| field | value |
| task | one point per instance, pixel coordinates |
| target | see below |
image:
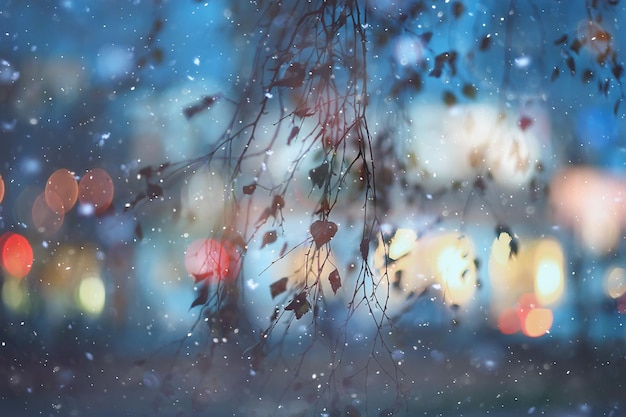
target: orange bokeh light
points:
(207, 259)
(63, 185)
(527, 316)
(537, 322)
(96, 189)
(16, 254)
(46, 219)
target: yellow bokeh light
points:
(403, 242)
(457, 271)
(549, 272)
(91, 295)
(500, 250)
(615, 282)
(14, 295)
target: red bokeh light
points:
(207, 259)
(96, 189)
(16, 254)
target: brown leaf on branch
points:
(335, 281)
(323, 231)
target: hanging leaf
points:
(485, 42)
(555, 74)
(319, 174)
(269, 238)
(204, 103)
(154, 191)
(202, 298)
(335, 281)
(249, 189)
(449, 98)
(294, 76)
(469, 91)
(278, 202)
(561, 40)
(278, 287)
(364, 247)
(571, 65)
(292, 135)
(426, 37)
(299, 305)
(322, 232)
(138, 231)
(457, 9)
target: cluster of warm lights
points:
(527, 316)
(530, 280)
(94, 192)
(413, 264)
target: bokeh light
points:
(537, 322)
(615, 282)
(91, 295)
(207, 259)
(14, 294)
(16, 254)
(96, 189)
(61, 187)
(591, 203)
(549, 271)
(47, 220)
(509, 322)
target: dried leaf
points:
(202, 298)
(561, 40)
(269, 238)
(319, 175)
(204, 103)
(292, 135)
(154, 191)
(457, 9)
(449, 98)
(278, 287)
(485, 42)
(299, 305)
(575, 45)
(138, 231)
(278, 203)
(469, 91)
(425, 38)
(555, 74)
(617, 71)
(249, 189)
(364, 247)
(571, 65)
(322, 231)
(335, 281)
